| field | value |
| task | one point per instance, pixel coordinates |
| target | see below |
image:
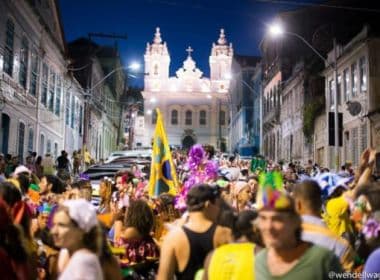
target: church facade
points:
(195, 109)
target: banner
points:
(163, 177)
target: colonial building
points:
(358, 85)
(32, 78)
(194, 108)
(98, 70)
(291, 117)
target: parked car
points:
(130, 153)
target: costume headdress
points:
(271, 194)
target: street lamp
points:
(276, 30)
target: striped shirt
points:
(314, 230)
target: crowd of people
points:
(231, 219)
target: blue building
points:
(242, 108)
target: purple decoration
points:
(371, 229)
(83, 176)
(201, 170)
(196, 156)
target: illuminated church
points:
(194, 108)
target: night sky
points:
(183, 23)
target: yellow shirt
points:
(336, 216)
(235, 261)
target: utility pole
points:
(336, 120)
(88, 94)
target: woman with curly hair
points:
(136, 233)
(105, 194)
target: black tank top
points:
(201, 243)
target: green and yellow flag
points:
(163, 177)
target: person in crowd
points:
(110, 266)
(20, 215)
(30, 164)
(84, 187)
(124, 188)
(165, 215)
(47, 252)
(135, 234)
(242, 196)
(218, 264)
(75, 228)
(308, 202)
(13, 254)
(185, 248)
(11, 164)
(87, 158)
(38, 167)
(76, 162)
(366, 213)
(286, 255)
(63, 165)
(105, 194)
(48, 166)
(49, 186)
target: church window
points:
(154, 117)
(188, 117)
(174, 117)
(155, 71)
(202, 117)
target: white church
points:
(195, 109)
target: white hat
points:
(21, 169)
(82, 212)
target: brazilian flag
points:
(163, 177)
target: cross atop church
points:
(189, 50)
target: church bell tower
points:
(157, 61)
(220, 63)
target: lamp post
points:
(276, 30)
(134, 66)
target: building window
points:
(80, 120)
(55, 150)
(51, 91)
(331, 93)
(354, 79)
(48, 146)
(23, 62)
(34, 74)
(363, 132)
(44, 90)
(58, 93)
(30, 139)
(174, 117)
(346, 85)
(355, 146)
(72, 117)
(154, 117)
(222, 117)
(42, 144)
(202, 117)
(8, 50)
(363, 74)
(188, 117)
(67, 109)
(339, 89)
(21, 137)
